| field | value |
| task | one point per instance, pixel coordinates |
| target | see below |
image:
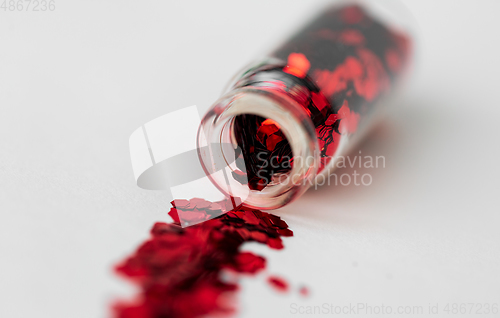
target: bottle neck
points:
(259, 143)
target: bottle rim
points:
(216, 132)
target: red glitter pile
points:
(180, 271)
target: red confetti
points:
(352, 14)
(352, 37)
(180, 270)
(278, 283)
(304, 291)
(350, 119)
(297, 65)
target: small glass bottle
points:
(289, 115)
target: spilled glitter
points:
(186, 272)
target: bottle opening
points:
(265, 152)
(258, 146)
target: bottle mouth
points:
(224, 157)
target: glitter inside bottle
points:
(290, 114)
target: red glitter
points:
(297, 65)
(262, 142)
(393, 60)
(180, 270)
(350, 119)
(375, 79)
(304, 291)
(366, 73)
(336, 68)
(352, 37)
(335, 81)
(352, 14)
(347, 37)
(278, 283)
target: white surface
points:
(173, 133)
(76, 82)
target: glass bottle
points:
(284, 119)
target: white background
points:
(74, 83)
